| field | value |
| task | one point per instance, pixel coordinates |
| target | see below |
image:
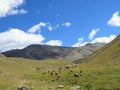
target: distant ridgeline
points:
(40, 52)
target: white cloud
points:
(96, 40)
(22, 11)
(80, 42)
(104, 39)
(54, 43)
(115, 20)
(93, 33)
(50, 28)
(16, 39)
(66, 24)
(11, 7)
(37, 27)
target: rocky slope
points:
(40, 52)
(1, 55)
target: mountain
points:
(108, 55)
(40, 52)
(1, 55)
(100, 71)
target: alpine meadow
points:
(59, 44)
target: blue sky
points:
(70, 23)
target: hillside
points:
(40, 52)
(108, 55)
(1, 55)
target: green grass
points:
(35, 74)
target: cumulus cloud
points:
(104, 39)
(93, 33)
(115, 20)
(17, 39)
(54, 43)
(37, 27)
(67, 24)
(80, 42)
(96, 40)
(11, 7)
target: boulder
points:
(59, 86)
(23, 88)
(75, 88)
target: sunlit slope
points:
(108, 55)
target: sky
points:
(71, 23)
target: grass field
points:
(48, 74)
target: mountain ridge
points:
(40, 52)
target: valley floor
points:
(56, 74)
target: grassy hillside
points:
(108, 55)
(49, 74)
